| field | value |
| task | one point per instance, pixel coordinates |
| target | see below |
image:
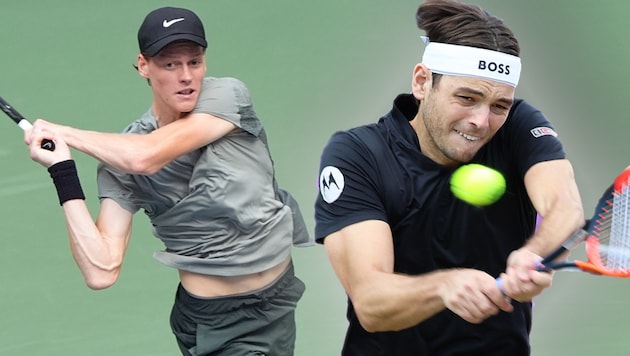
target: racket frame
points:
(23, 123)
(590, 235)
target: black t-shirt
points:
(377, 172)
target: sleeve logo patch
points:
(331, 183)
(543, 131)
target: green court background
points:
(312, 68)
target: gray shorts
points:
(257, 323)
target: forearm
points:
(554, 193)
(559, 222)
(144, 153)
(362, 257)
(98, 257)
(98, 247)
(127, 153)
(555, 196)
(391, 302)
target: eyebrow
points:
(506, 101)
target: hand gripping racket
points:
(22, 122)
(606, 236)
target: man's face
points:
(459, 115)
(176, 74)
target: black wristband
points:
(64, 175)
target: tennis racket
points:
(22, 122)
(606, 236)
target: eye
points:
(197, 62)
(500, 109)
(466, 100)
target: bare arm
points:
(97, 247)
(363, 258)
(143, 154)
(552, 188)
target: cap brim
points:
(155, 48)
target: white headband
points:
(475, 62)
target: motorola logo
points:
(331, 183)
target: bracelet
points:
(66, 179)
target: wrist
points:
(531, 247)
(66, 179)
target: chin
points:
(187, 106)
(464, 157)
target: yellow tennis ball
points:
(477, 184)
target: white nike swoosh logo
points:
(169, 23)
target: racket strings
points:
(612, 231)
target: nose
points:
(186, 74)
(480, 116)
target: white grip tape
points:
(25, 125)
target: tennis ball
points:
(477, 184)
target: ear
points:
(421, 81)
(143, 66)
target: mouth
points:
(468, 137)
(186, 92)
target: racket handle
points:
(48, 145)
(500, 285)
(542, 268)
(26, 125)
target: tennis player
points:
(418, 265)
(198, 164)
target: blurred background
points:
(312, 68)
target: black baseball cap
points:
(168, 24)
